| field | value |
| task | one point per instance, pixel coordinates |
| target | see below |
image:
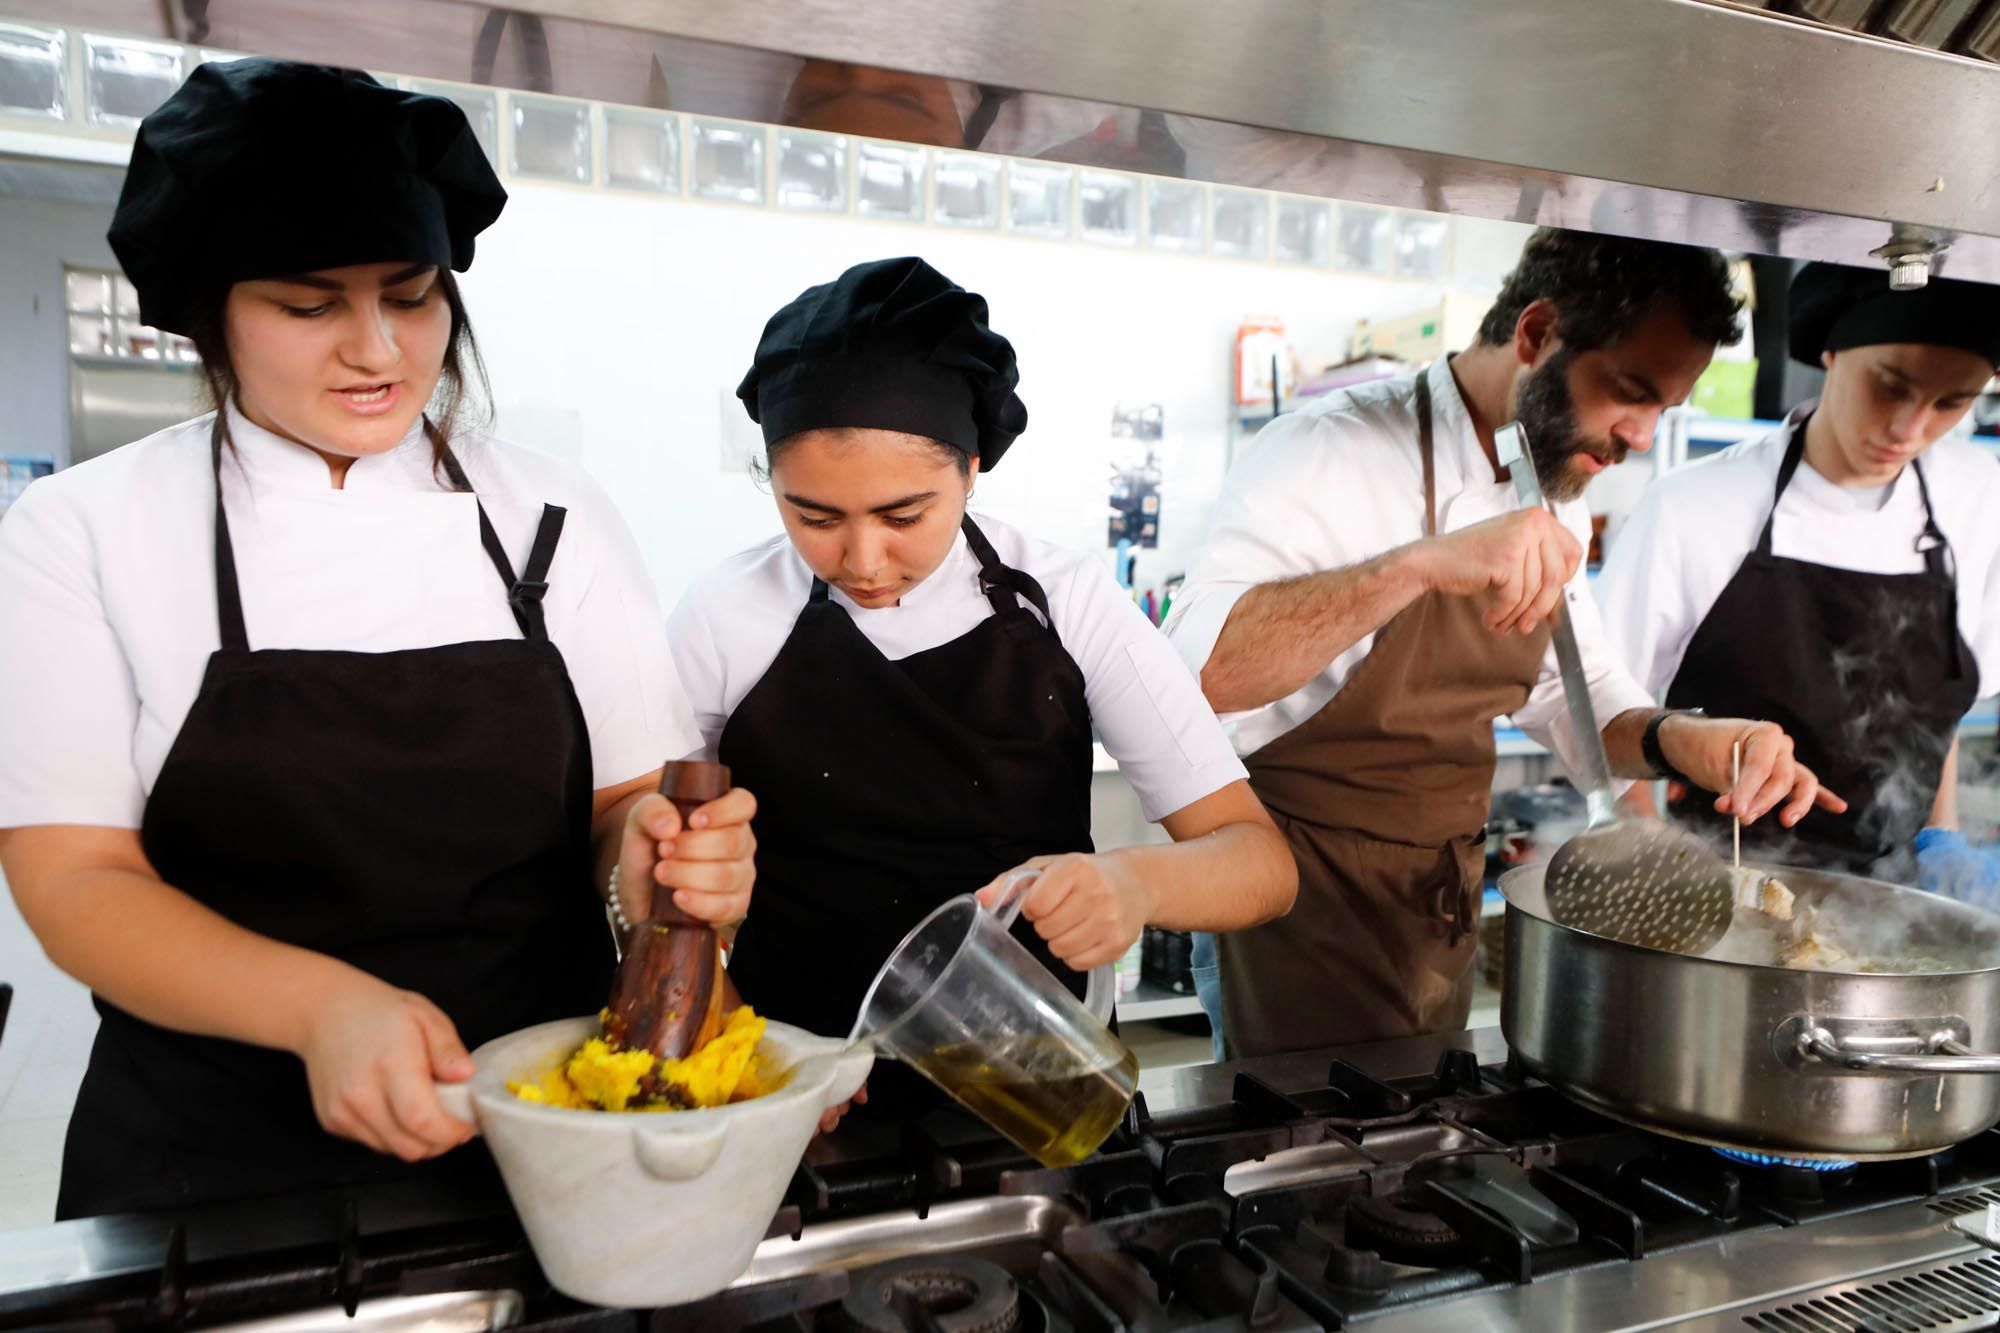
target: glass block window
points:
(104, 320)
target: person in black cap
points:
(309, 788)
(911, 692)
(1841, 574)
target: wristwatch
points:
(1649, 743)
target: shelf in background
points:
(1710, 433)
(1150, 1001)
(1706, 435)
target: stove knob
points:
(1458, 1070)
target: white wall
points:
(616, 327)
(37, 238)
(619, 326)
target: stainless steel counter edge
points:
(1707, 1287)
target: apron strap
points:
(1942, 566)
(1424, 446)
(1931, 542)
(228, 594)
(1002, 582)
(524, 594)
(999, 581)
(1794, 451)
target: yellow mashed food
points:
(601, 1077)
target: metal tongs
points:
(1635, 880)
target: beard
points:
(1547, 414)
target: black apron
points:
(1867, 673)
(423, 815)
(884, 788)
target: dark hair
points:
(1603, 287)
(451, 402)
(945, 453)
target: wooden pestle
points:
(667, 995)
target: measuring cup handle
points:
(1100, 994)
(1013, 892)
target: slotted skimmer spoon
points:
(1638, 881)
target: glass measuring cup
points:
(965, 1005)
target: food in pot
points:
(1759, 892)
(1813, 950)
(1773, 929)
(603, 1076)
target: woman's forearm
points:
(147, 947)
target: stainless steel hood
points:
(1725, 125)
(1690, 120)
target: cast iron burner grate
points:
(1749, 1158)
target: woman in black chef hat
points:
(1840, 575)
(912, 692)
(323, 721)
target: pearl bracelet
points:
(614, 909)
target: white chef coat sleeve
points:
(1272, 523)
(623, 672)
(1645, 595)
(1148, 710)
(699, 661)
(1545, 717)
(68, 702)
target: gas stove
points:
(1414, 1185)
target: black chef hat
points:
(1834, 308)
(262, 168)
(893, 345)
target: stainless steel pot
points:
(1769, 1059)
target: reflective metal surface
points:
(865, 1240)
(1717, 123)
(1981, 34)
(445, 1312)
(1668, 118)
(1711, 1050)
(1942, 25)
(114, 402)
(1710, 1288)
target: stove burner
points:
(960, 1294)
(1403, 1230)
(1749, 1158)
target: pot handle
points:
(1943, 1055)
(854, 1064)
(456, 1098)
(677, 1155)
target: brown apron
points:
(1383, 795)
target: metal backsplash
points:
(1724, 124)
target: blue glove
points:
(1949, 865)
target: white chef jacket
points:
(1341, 481)
(1672, 559)
(108, 615)
(1148, 711)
